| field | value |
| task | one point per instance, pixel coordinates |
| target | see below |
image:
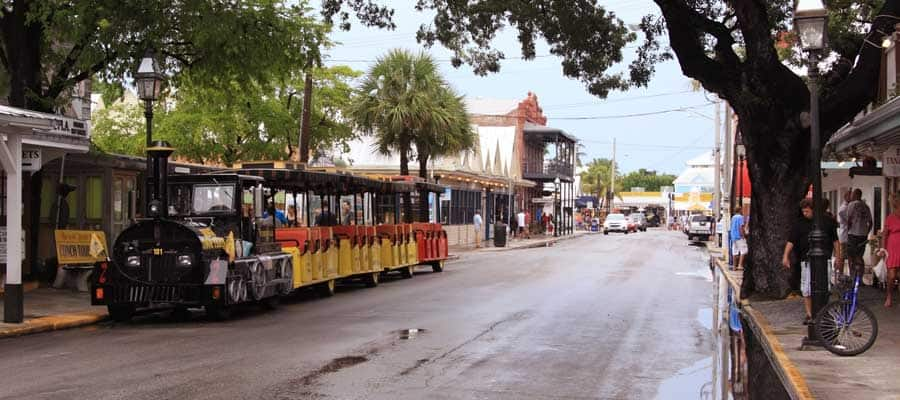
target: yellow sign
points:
(80, 247)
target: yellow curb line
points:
(54, 323)
(785, 368)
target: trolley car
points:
(217, 240)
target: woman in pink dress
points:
(892, 244)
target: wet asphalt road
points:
(598, 317)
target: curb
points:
(545, 243)
(787, 372)
(790, 376)
(55, 323)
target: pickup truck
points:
(699, 228)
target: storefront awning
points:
(869, 135)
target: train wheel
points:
(258, 281)
(407, 272)
(218, 312)
(327, 289)
(437, 266)
(120, 312)
(372, 279)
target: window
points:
(213, 198)
(48, 197)
(93, 197)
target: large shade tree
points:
(738, 49)
(48, 46)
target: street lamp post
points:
(810, 21)
(742, 152)
(148, 80)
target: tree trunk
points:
(22, 52)
(404, 170)
(777, 164)
(423, 195)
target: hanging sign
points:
(891, 161)
(31, 160)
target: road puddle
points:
(693, 382)
(705, 317)
(407, 334)
(700, 274)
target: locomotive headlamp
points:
(155, 208)
(185, 261)
(133, 261)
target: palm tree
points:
(403, 101)
(448, 133)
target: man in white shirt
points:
(479, 224)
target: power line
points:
(619, 100)
(620, 116)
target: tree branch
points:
(57, 87)
(686, 27)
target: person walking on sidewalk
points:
(520, 222)
(859, 224)
(738, 241)
(842, 223)
(798, 242)
(892, 245)
(479, 223)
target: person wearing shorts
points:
(798, 243)
(859, 224)
(738, 241)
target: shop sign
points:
(31, 160)
(891, 161)
(80, 247)
(3, 241)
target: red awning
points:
(742, 180)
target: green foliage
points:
(596, 180)
(244, 122)
(119, 128)
(403, 100)
(649, 180)
(220, 43)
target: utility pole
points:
(717, 162)
(304, 118)
(612, 180)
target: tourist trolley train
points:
(217, 240)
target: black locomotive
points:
(202, 243)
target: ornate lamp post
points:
(810, 21)
(148, 80)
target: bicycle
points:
(846, 327)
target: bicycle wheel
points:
(844, 336)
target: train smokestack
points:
(158, 198)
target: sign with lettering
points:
(891, 161)
(31, 160)
(3, 241)
(80, 247)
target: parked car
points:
(616, 223)
(700, 228)
(639, 221)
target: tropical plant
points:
(403, 101)
(596, 179)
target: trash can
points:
(499, 234)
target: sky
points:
(662, 142)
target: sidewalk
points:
(49, 309)
(817, 372)
(517, 244)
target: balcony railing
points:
(551, 168)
